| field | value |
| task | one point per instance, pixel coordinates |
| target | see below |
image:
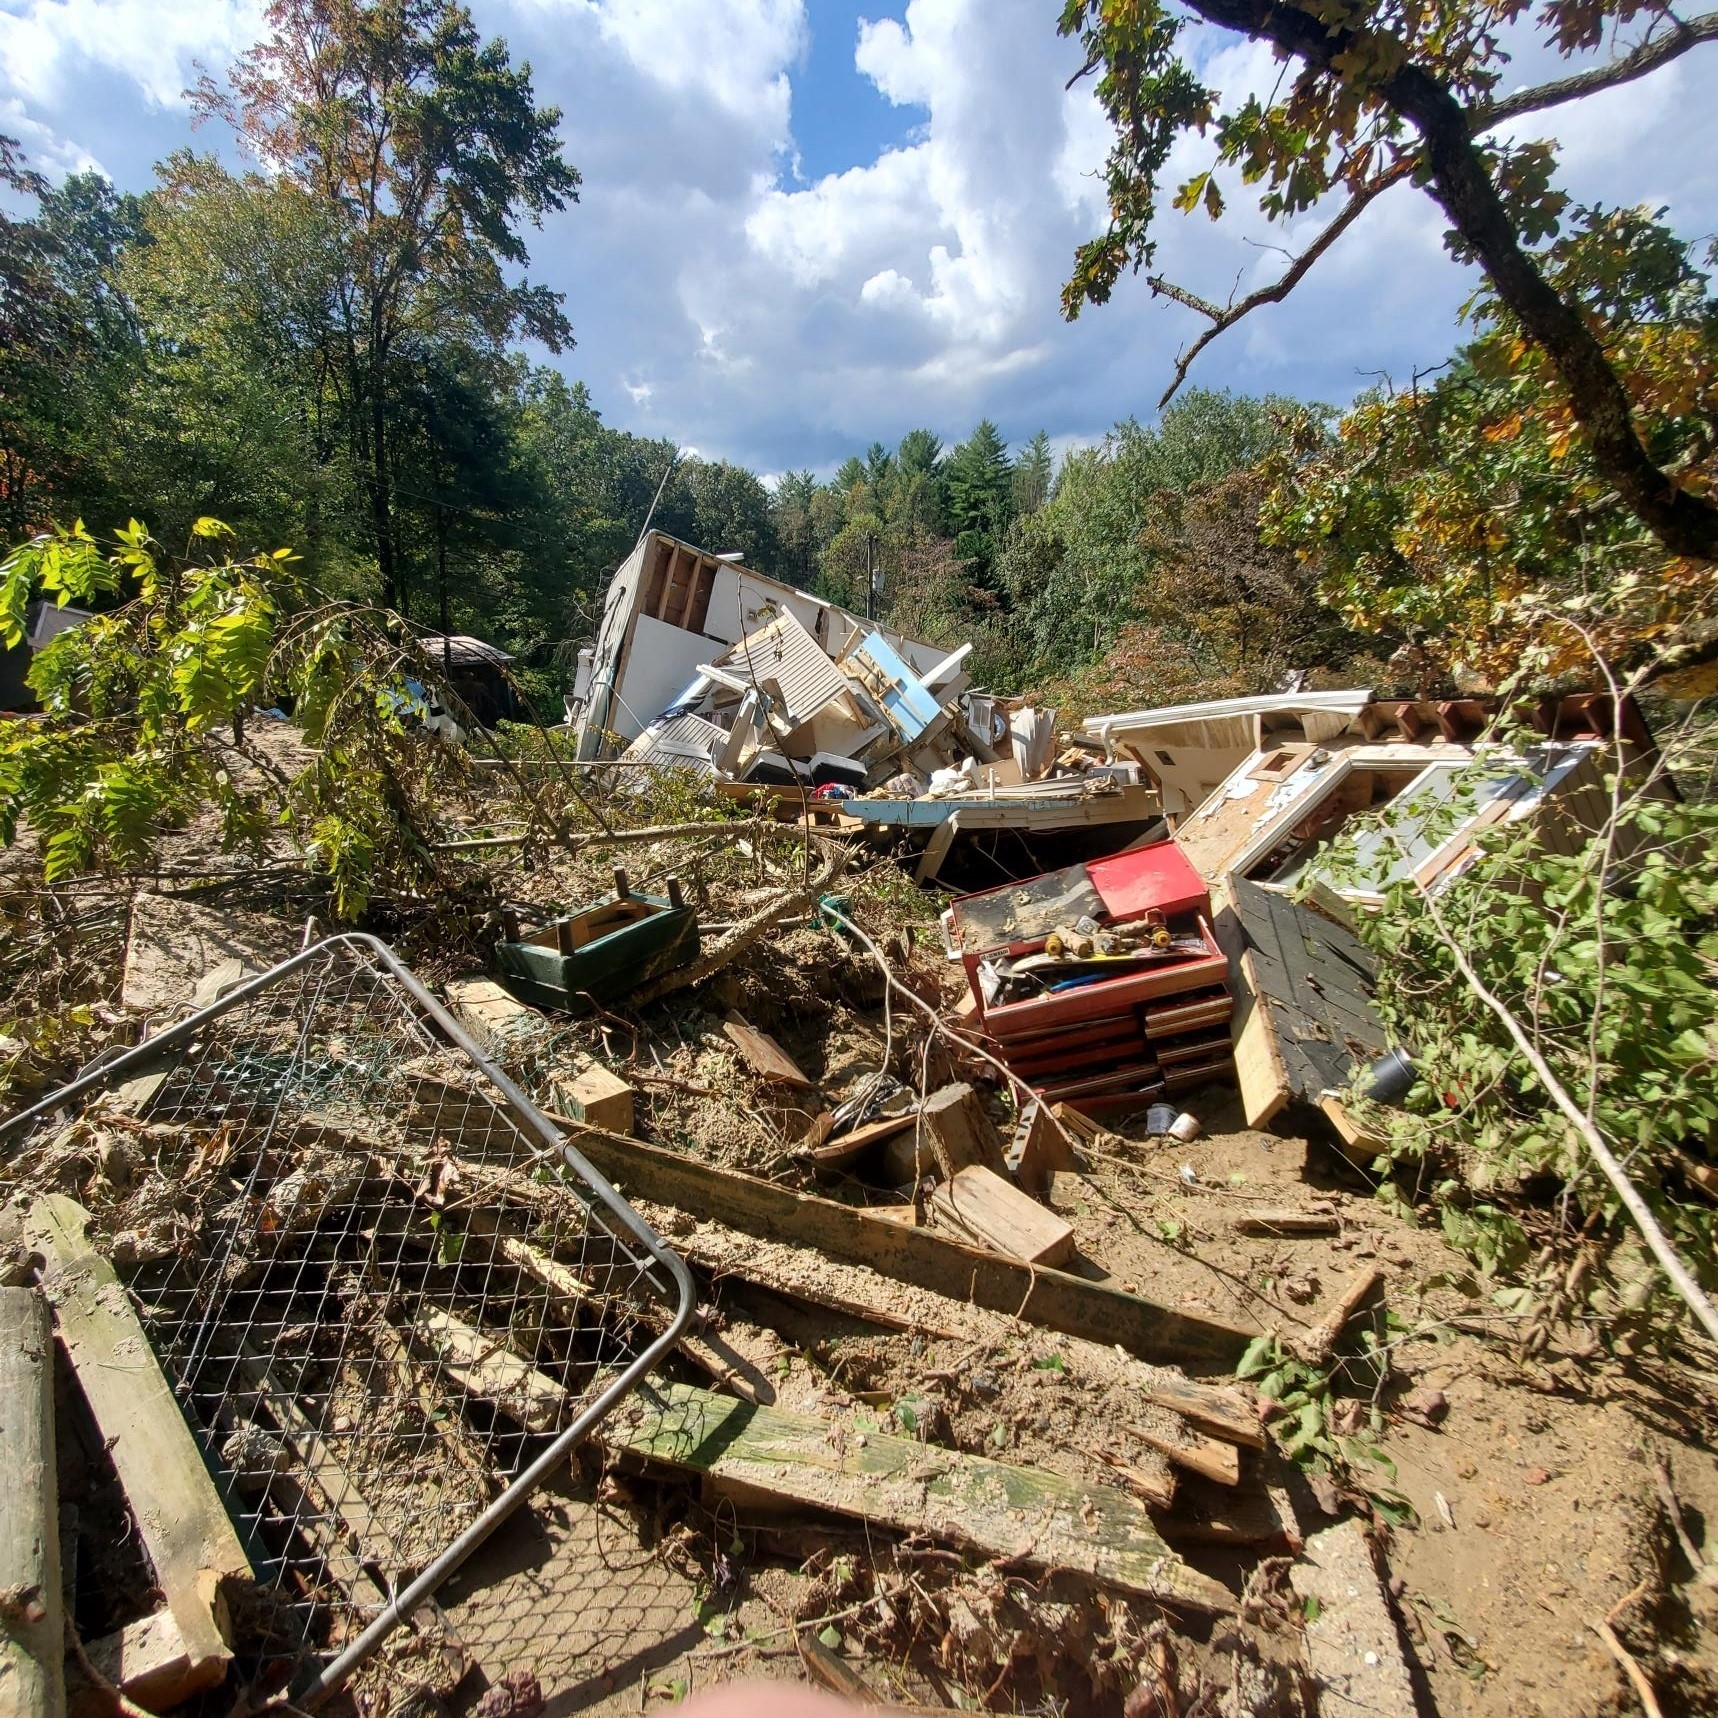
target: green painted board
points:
(1039, 1519)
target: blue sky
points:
(806, 225)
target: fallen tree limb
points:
(1681, 1278)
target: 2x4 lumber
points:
(1026, 1516)
(185, 1529)
(797, 1274)
(980, 1204)
(1353, 1648)
(1096, 1311)
(32, 1625)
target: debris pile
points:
(721, 1251)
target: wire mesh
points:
(387, 1294)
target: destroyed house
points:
(671, 609)
(1276, 816)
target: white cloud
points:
(719, 298)
(48, 46)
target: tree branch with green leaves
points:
(1378, 88)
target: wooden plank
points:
(191, 1542)
(147, 1661)
(844, 1152)
(481, 1364)
(1095, 1310)
(799, 1274)
(979, 1204)
(952, 1121)
(1037, 1519)
(1041, 1149)
(1352, 1648)
(764, 1056)
(33, 1638)
(1259, 1069)
(1287, 1223)
(304, 1438)
(1209, 1457)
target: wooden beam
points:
(959, 1132)
(32, 1621)
(183, 1523)
(1093, 1310)
(1026, 1516)
(147, 1661)
(799, 1274)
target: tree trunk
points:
(1684, 523)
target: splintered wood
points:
(191, 1542)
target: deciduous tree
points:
(1378, 94)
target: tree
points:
(1470, 516)
(978, 495)
(1034, 473)
(1377, 97)
(1089, 561)
(423, 147)
(65, 336)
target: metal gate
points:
(389, 1295)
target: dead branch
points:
(1648, 57)
(1279, 289)
(1631, 1669)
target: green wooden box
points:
(600, 954)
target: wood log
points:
(191, 1543)
(32, 1608)
(983, 1206)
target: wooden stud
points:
(1042, 1150)
(32, 1625)
(184, 1525)
(1094, 1310)
(599, 1098)
(622, 885)
(954, 1123)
